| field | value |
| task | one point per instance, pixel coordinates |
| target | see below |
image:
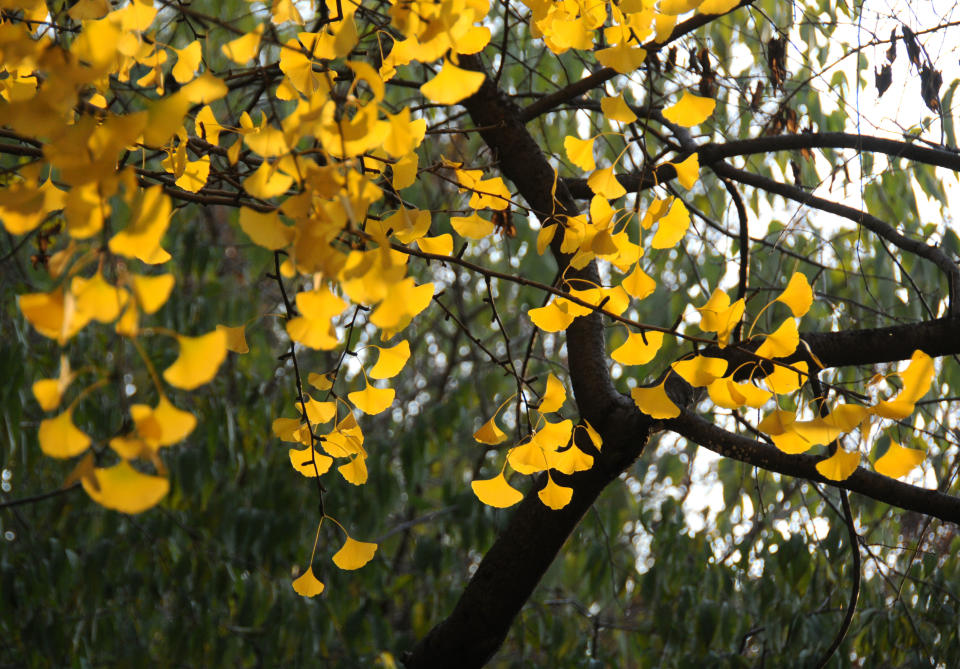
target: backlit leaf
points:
(236, 338)
(303, 461)
(199, 360)
(354, 554)
(898, 461)
(496, 492)
(840, 466)
(553, 397)
(797, 295)
(452, 84)
(391, 361)
(654, 402)
(60, 438)
(555, 496)
(690, 110)
(616, 109)
(489, 433)
(307, 585)
(123, 488)
(371, 400)
(580, 152)
(782, 342)
(639, 348)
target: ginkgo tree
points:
(638, 218)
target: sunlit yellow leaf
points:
(700, 370)
(319, 381)
(580, 152)
(717, 6)
(639, 348)
(638, 283)
(782, 342)
(916, 382)
(314, 326)
(403, 302)
(690, 110)
(318, 412)
(555, 496)
(727, 393)
(372, 400)
(452, 84)
(163, 425)
(550, 318)
(236, 338)
(898, 460)
(840, 466)
(553, 397)
(777, 422)
(678, 6)
(265, 229)
(473, 41)
(405, 171)
(53, 314)
(391, 361)
(152, 292)
(355, 471)
(303, 461)
(49, 392)
(783, 381)
(688, 171)
(719, 316)
(624, 58)
(242, 49)
(267, 182)
(604, 182)
(122, 488)
(496, 492)
(654, 402)
(199, 360)
(98, 299)
(60, 438)
(148, 223)
(354, 554)
(672, 227)
(441, 245)
(616, 109)
(490, 433)
(797, 295)
(472, 226)
(307, 585)
(188, 59)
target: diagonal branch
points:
(873, 485)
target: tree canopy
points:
(436, 333)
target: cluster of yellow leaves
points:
(352, 555)
(550, 448)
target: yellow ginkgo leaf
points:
(199, 360)
(47, 393)
(616, 109)
(489, 433)
(318, 413)
(98, 299)
(624, 58)
(320, 381)
(441, 245)
(174, 424)
(553, 397)
(898, 460)
(688, 171)
(53, 314)
(122, 488)
(797, 295)
(550, 318)
(354, 554)
(242, 49)
(452, 84)
(719, 316)
(496, 492)
(267, 182)
(60, 438)
(672, 227)
(307, 585)
(555, 496)
(236, 338)
(580, 152)
(472, 227)
(639, 349)
(391, 361)
(717, 6)
(783, 381)
(314, 327)
(700, 370)
(310, 462)
(674, 7)
(840, 466)
(654, 402)
(690, 110)
(265, 229)
(638, 283)
(152, 292)
(604, 182)
(371, 400)
(355, 471)
(782, 342)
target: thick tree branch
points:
(867, 483)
